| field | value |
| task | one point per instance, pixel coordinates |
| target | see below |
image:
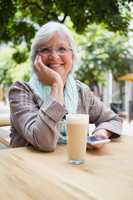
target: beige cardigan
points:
(35, 123)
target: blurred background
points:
(103, 31)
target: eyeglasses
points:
(49, 51)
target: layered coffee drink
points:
(77, 126)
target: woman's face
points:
(57, 55)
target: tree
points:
(11, 71)
(19, 18)
(101, 51)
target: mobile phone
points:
(97, 139)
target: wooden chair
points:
(4, 137)
(4, 121)
(4, 144)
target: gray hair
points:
(46, 32)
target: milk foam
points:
(77, 118)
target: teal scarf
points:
(70, 92)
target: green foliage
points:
(5, 78)
(7, 12)
(10, 71)
(101, 51)
(20, 55)
(5, 59)
(19, 17)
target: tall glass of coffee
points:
(77, 126)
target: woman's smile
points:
(55, 66)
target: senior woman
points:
(38, 107)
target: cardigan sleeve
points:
(37, 125)
(99, 114)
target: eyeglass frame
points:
(60, 51)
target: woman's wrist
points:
(57, 92)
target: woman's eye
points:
(45, 50)
(62, 49)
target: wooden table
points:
(30, 175)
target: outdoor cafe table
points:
(31, 175)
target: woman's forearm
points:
(57, 92)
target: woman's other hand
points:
(100, 132)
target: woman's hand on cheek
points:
(45, 74)
(49, 77)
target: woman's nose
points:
(54, 54)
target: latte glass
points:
(77, 127)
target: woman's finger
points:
(38, 64)
(98, 146)
(36, 60)
(95, 146)
(90, 147)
